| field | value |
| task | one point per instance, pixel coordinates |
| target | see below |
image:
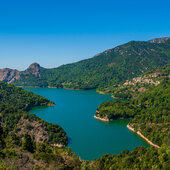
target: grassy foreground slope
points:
(108, 68)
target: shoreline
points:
(51, 104)
(142, 136)
(58, 145)
(102, 119)
(131, 129)
(51, 87)
(101, 92)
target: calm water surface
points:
(90, 138)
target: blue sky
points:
(56, 32)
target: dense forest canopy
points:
(139, 158)
(14, 104)
(21, 98)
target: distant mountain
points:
(9, 75)
(113, 66)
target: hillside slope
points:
(149, 112)
(131, 88)
(14, 104)
(110, 67)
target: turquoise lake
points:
(88, 138)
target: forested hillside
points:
(131, 88)
(25, 153)
(26, 141)
(111, 67)
(139, 158)
(14, 104)
(21, 98)
(149, 112)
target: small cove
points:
(89, 138)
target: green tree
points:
(2, 142)
(28, 143)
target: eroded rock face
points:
(34, 128)
(9, 75)
(33, 69)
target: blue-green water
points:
(90, 138)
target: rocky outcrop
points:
(159, 40)
(34, 128)
(104, 119)
(33, 69)
(9, 75)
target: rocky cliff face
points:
(10, 75)
(33, 69)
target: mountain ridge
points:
(149, 113)
(112, 66)
(159, 40)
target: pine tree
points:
(2, 142)
(28, 143)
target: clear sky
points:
(56, 32)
